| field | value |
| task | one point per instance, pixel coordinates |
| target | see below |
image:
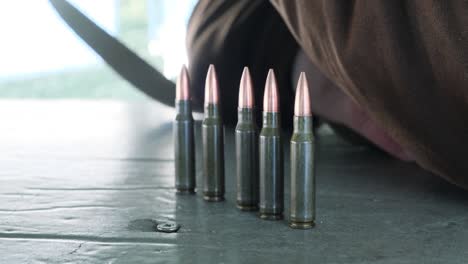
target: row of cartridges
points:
(259, 157)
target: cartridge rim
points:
(184, 191)
(246, 207)
(209, 198)
(266, 216)
(301, 225)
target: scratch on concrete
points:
(76, 249)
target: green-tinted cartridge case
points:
(247, 160)
(271, 168)
(184, 148)
(213, 154)
(302, 211)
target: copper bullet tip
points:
(183, 85)
(302, 101)
(271, 97)
(246, 93)
(211, 86)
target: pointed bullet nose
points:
(183, 85)
(211, 86)
(246, 93)
(271, 97)
(302, 101)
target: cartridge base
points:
(301, 225)
(266, 216)
(211, 198)
(185, 191)
(247, 207)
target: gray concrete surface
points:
(81, 181)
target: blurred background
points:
(40, 57)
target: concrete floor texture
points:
(86, 181)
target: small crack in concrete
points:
(76, 249)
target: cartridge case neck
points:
(271, 119)
(212, 110)
(183, 107)
(245, 115)
(303, 124)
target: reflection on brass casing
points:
(302, 211)
(184, 149)
(213, 154)
(247, 161)
(271, 168)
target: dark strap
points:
(124, 61)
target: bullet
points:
(302, 213)
(213, 141)
(271, 154)
(246, 147)
(184, 137)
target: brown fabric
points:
(404, 62)
(234, 34)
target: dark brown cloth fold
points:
(404, 62)
(234, 34)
